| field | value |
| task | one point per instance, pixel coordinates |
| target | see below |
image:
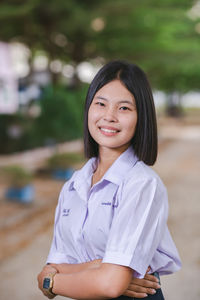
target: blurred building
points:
(9, 102)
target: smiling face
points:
(112, 116)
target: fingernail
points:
(145, 295)
(153, 291)
(158, 286)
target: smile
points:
(108, 131)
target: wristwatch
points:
(48, 284)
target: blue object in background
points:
(21, 194)
(63, 174)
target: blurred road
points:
(179, 167)
(25, 232)
(36, 158)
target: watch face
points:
(46, 283)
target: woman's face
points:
(112, 116)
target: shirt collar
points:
(114, 174)
(121, 166)
(81, 180)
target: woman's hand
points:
(45, 272)
(140, 288)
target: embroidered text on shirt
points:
(66, 212)
(106, 203)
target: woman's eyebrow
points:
(126, 101)
(120, 101)
(102, 98)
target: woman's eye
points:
(100, 103)
(124, 108)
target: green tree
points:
(61, 116)
(158, 35)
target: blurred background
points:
(49, 53)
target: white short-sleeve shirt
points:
(122, 219)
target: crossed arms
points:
(96, 280)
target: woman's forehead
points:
(115, 90)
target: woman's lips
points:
(108, 131)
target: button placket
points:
(82, 235)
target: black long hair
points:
(145, 140)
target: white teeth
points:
(108, 130)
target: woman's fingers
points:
(135, 295)
(140, 288)
(138, 291)
(151, 277)
(147, 282)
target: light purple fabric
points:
(121, 219)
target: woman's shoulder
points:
(142, 173)
(144, 185)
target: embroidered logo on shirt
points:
(66, 212)
(106, 203)
(109, 204)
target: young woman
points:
(111, 237)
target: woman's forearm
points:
(73, 268)
(110, 281)
(107, 281)
(81, 285)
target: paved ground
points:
(25, 232)
(179, 166)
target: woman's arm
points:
(73, 268)
(106, 281)
(137, 288)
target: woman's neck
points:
(106, 159)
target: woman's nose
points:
(110, 115)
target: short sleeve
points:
(138, 224)
(56, 253)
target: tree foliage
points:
(158, 35)
(61, 119)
